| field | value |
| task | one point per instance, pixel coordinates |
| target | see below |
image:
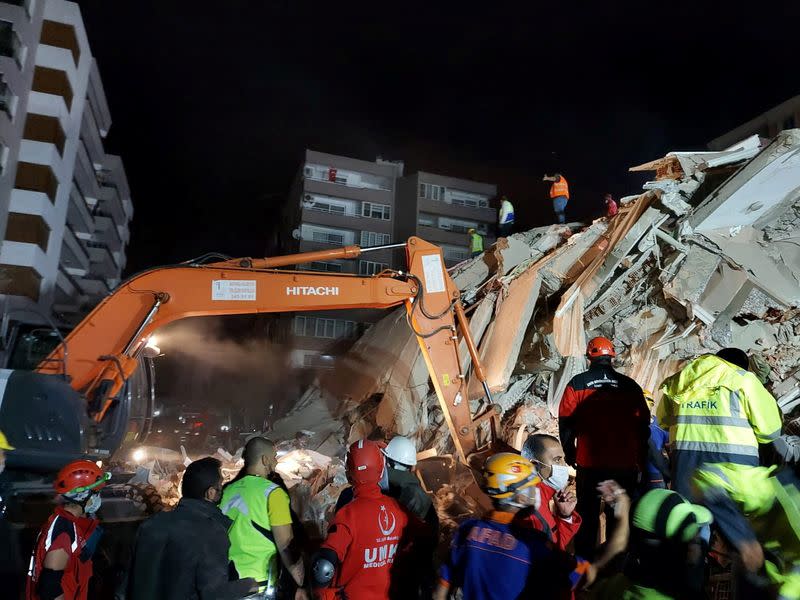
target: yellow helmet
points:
(506, 474)
(648, 397)
(4, 445)
(471, 230)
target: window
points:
(454, 253)
(469, 200)
(376, 211)
(326, 235)
(461, 226)
(368, 267)
(318, 361)
(325, 328)
(426, 219)
(371, 238)
(10, 44)
(6, 99)
(328, 204)
(329, 267)
(431, 192)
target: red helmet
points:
(79, 477)
(600, 346)
(365, 462)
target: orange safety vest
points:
(559, 188)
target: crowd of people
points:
(650, 493)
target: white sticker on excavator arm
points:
(233, 289)
(434, 273)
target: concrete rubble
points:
(708, 255)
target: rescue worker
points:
(401, 460)
(505, 218)
(183, 553)
(475, 242)
(657, 475)
(755, 508)
(546, 452)
(262, 522)
(367, 543)
(665, 551)
(494, 558)
(611, 206)
(604, 425)
(717, 413)
(61, 565)
(559, 194)
(10, 563)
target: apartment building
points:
(65, 206)
(442, 209)
(767, 125)
(339, 201)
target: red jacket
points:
(368, 535)
(561, 530)
(65, 531)
(607, 414)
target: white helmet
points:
(401, 450)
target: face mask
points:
(559, 477)
(92, 504)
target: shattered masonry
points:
(707, 256)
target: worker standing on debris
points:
(475, 242)
(717, 413)
(262, 522)
(604, 425)
(505, 218)
(183, 553)
(401, 460)
(61, 565)
(666, 548)
(546, 452)
(498, 558)
(611, 206)
(367, 544)
(559, 194)
(658, 474)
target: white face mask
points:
(559, 476)
(93, 504)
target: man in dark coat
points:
(183, 554)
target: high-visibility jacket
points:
(78, 537)
(769, 505)
(716, 413)
(253, 550)
(506, 213)
(475, 242)
(559, 188)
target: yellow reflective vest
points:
(716, 413)
(475, 242)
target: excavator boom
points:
(102, 352)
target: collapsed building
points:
(708, 256)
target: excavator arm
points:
(102, 352)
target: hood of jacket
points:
(703, 377)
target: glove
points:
(788, 448)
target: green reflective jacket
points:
(476, 242)
(253, 550)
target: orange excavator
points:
(76, 405)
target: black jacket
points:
(183, 555)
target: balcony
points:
(37, 178)
(469, 213)
(28, 229)
(95, 286)
(41, 128)
(102, 260)
(10, 44)
(63, 36)
(16, 280)
(110, 204)
(106, 231)
(53, 81)
(69, 298)
(362, 194)
(74, 255)
(79, 216)
(6, 99)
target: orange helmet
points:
(600, 346)
(79, 478)
(365, 462)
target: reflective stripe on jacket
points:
(506, 212)
(253, 550)
(718, 412)
(559, 188)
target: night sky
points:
(213, 103)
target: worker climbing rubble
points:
(505, 218)
(611, 206)
(604, 426)
(62, 561)
(369, 548)
(546, 452)
(559, 194)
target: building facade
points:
(767, 125)
(339, 201)
(65, 206)
(441, 210)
